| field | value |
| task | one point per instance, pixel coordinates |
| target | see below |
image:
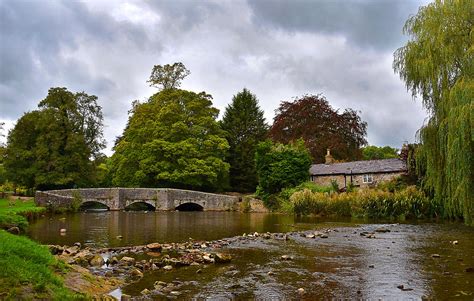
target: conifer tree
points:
(245, 127)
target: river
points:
(412, 261)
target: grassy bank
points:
(15, 213)
(373, 203)
(29, 271)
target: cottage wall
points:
(357, 180)
(326, 180)
(378, 178)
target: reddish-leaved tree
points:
(313, 119)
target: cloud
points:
(366, 23)
(278, 50)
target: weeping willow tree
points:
(437, 65)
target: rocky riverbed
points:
(367, 261)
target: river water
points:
(422, 257)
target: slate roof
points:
(359, 167)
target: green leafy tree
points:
(168, 76)
(372, 152)
(172, 140)
(52, 147)
(437, 64)
(281, 166)
(245, 127)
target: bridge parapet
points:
(120, 198)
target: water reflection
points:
(136, 228)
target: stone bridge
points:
(120, 198)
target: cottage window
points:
(368, 179)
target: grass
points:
(29, 271)
(15, 213)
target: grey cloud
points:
(33, 35)
(367, 23)
(278, 50)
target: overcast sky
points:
(277, 49)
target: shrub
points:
(76, 201)
(281, 166)
(410, 203)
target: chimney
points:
(329, 158)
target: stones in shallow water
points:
(403, 288)
(127, 260)
(155, 247)
(208, 259)
(167, 267)
(382, 230)
(221, 257)
(286, 257)
(113, 260)
(136, 273)
(368, 234)
(97, 261)
(55, 250)
(71, 251)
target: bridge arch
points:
(140, 205)
(93, 205)
(189, 206)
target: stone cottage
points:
(360, 173)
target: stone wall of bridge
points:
(120, 198)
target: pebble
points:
(286, 257)
(455, 242)
(125, 297)
(435, 255)
(300, 290)
(382, 230)
(167, 268)
(136, 272)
